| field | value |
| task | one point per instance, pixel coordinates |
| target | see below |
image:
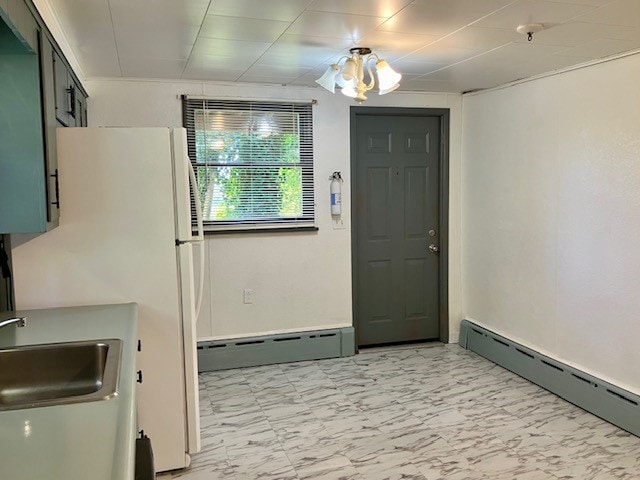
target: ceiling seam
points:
(196, 39)
(115, 40)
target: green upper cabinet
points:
(38, 93)
(22, 170)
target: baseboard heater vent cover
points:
(607, 401)
(270, 349)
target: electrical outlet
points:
(338, 223)
(248, 295)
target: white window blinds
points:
(253, 162)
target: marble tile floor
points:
(421, 412)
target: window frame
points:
(306, 221)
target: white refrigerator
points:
(125, 235)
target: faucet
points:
(19, 322)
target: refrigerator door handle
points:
(199, 239)
(196, 199)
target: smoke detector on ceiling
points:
(529, 29)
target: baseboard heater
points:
(270, 349)
(609, 402)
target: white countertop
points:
(79, 441)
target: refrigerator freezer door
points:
(187, 289)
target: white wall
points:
(551, 216)
(302, 281)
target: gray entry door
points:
(396, 207)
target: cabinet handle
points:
(139, 345)
(139, 380)
(72, 101)
(57, 190)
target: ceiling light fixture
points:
(350, 77)
(529, 29)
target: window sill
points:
(244, 231)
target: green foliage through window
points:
(253, 161)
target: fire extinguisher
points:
(336, 195)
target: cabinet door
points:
(72, 99)
(47, 80)
(62, 93)
(22, 186)
(85, 120)
(81, 109)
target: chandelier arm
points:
(344, 57)
(372, 82)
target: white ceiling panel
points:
(170, 43)
(421, 84)
(439, 45)
(212, 74)
(435, 53)
(621, 12)
(502, 65)
(151, 67)
(249, 77)
(276, 71)
(482, 7)
(431, 18)
(480, 38)
(323, 24)
(302, 51)
(221, 47)
(376, 8)
(285, 10)
(308, 80)
(105, 66)
(157, 13)
(533, 11)
(416, 68)
(593, 3)
(397, 43)
(305, 51)
(238, 28)
(221, 62)
(602, 47)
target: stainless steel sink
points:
(59, 373)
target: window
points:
(253, 162)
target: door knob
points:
(433, 248)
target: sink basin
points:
(59, 373)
